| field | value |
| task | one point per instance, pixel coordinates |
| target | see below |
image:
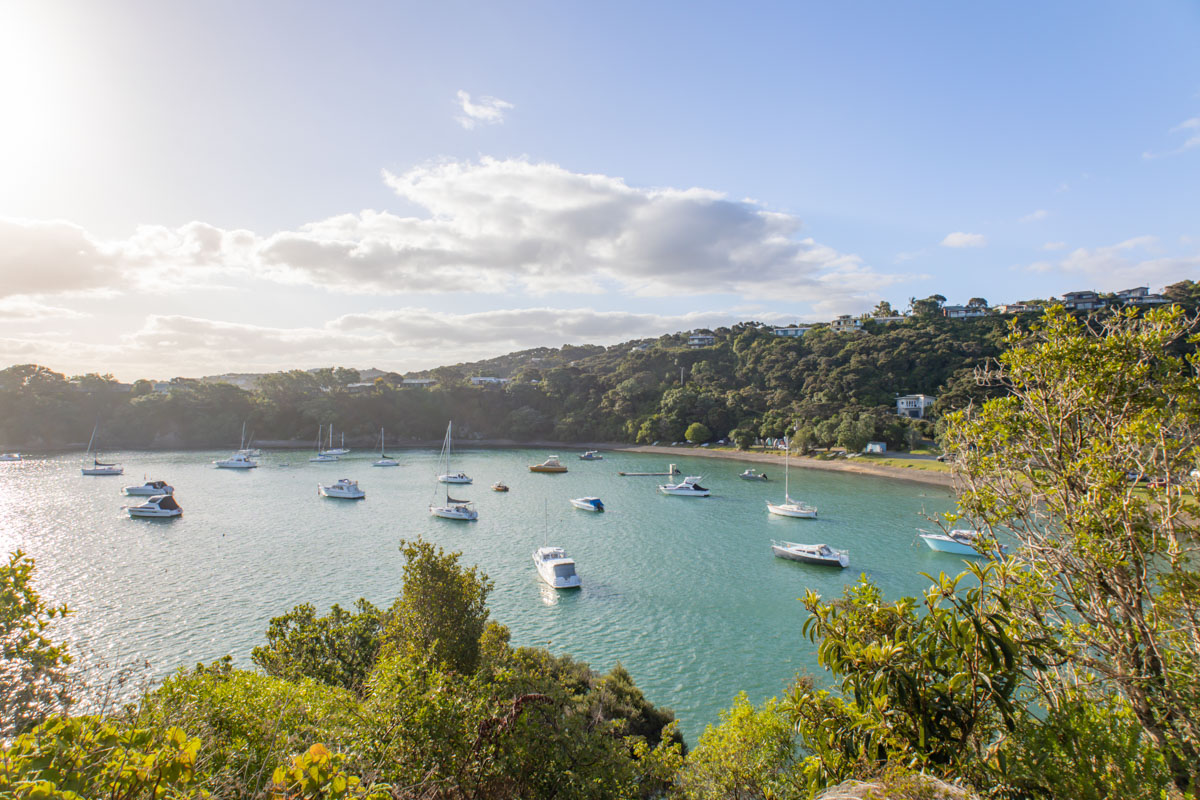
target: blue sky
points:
(192, 188)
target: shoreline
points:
(858, 467)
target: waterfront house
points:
(914, 406)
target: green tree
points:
(442, 610)
(744, 438)
(339, 648)
(33, 681)
(1115, 576)
(697, 433)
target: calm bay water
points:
(683, 591)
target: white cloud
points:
(959, 239)
(1133, 262)
(1036, 216)
(1054, 246)
(1191, 128)
(26, 309)
(487, 111)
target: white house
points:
(913, 405)
(876, 447)
(792, 330)
(1016, 308)
(1140, 296)
(965, 312)
(421, 382)
(481, 381)
(846, 323)
(701, 340)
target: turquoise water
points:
(683, 591)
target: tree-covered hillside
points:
(751, 383)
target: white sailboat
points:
(336, 451)
(790, 507)
(98, 467)
(447, 476)
(323, 456)
(384, 459)
(241, 457)
(452, 509)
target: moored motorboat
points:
(551, 464)
(555, 568)
(150, 488)
(161, 505)
(688, 487)
(499, 486)
(751, 475)
(591, 455)
(238, 460)
(811, 553)
(10, 456)
(342, 489)
(960, 541)
(588, 503)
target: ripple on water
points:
(683, 591)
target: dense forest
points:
(840, 388)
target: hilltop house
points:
(1016, 308)
(701, 340)
(1140, 296)
(482, 381)
(965, 312)
(1081, 301)
(913, 406)
(792, 330)
(846, 323)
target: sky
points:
(190, 189)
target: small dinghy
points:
(751, 475)
(499, 486)
(811, 553)
(591, 455)
(962, 542)
(588, 503)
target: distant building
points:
(419, 382)
(876, 447)
(637, 348)
(701, 340)
(913, 405)
(482, 381)
(1081, 301)
(846, 323)
(965, 312)
(162, 387)
(888, 320)
(1140, 296)
(361, 386)
(792, 330)
(1017, 308)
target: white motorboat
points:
(962, 542)
(555, 568)
(550, 465)
(160, 506)
(811, 553)
(98, 467)
(384, 459)
(688, 487)
(322, 456)
(236, 461)
(588, 503)
(150, 488)
(751, 475)
(342, 489)
(446, 476)
(10, 456)
(591, 455)
(336, 451)
(790, 507)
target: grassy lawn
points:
(926, 464)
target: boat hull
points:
(336, 495)
(585, 506)
(453, 512)
(789, 510)
(684, 492)
(142, 491)
(386, 462)
(235, 465)
(155, 513)
(807, 558)
(540, 468)
(103, 471)
(453, 479)
(944, 544)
